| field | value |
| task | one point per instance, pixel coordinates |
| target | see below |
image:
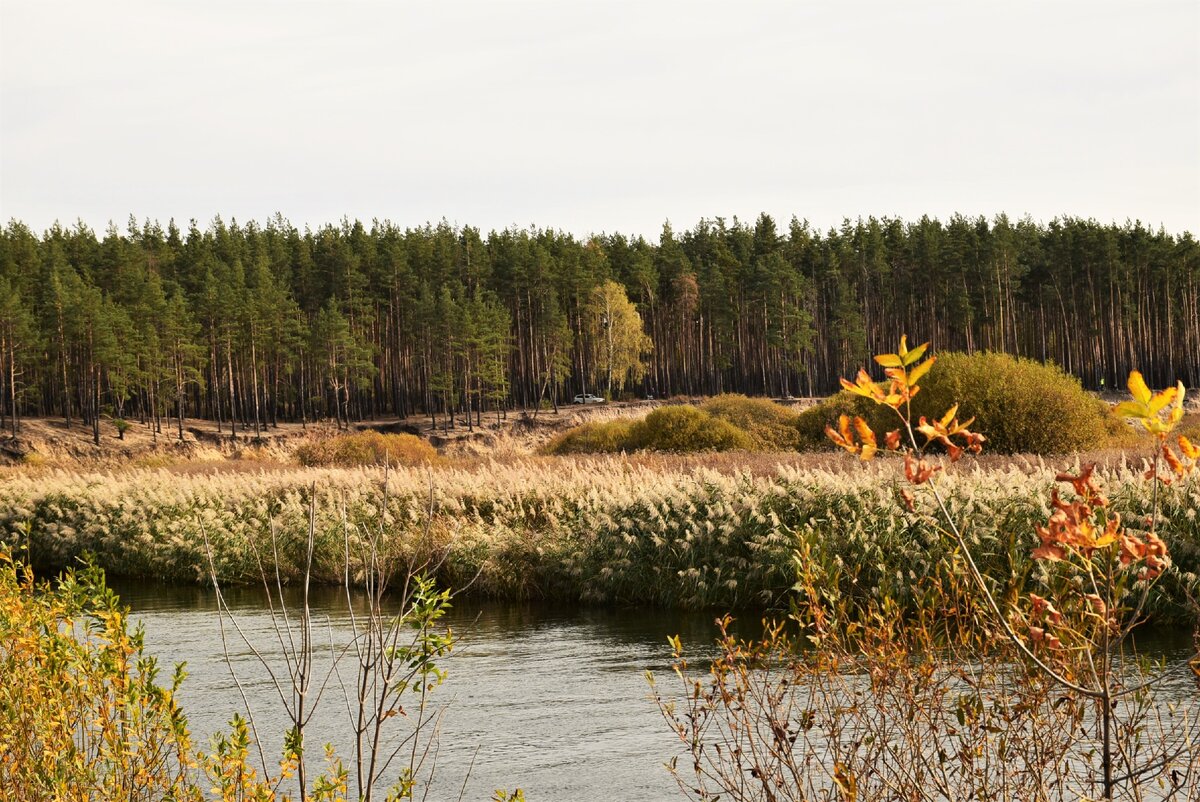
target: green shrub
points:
(607, 437)
(1020, 405)
(771, 427)
(367, 448)
(685, 429)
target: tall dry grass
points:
(652, 529)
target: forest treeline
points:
(251, 324)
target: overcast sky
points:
(598, 116)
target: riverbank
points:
(593, 530)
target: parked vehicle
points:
(588, 398)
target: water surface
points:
(550, 699)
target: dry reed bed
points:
(607, 530)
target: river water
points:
(551, 699)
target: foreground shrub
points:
(81, 714)
(686, 429)
(1025, 685)
(367, 448)
(1023, 405)
(603, 437)
(770, 426)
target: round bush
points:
(1020, 405)
(684, 429)
(771, 427)
(367, 448)
(607, 437)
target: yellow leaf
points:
(844, 429)
(915, 354)
(949, 416)
(1131, 409)
(889, 360)
(1161, 400)
(865, 392)
(903, 344)
(846, 782)
(1177, 410)
(869, 446)
(920, 370)
(1138, 388)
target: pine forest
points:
(252, 324)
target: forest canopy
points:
(250, 324)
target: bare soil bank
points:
(50, 441)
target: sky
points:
(598, 116)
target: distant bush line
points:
(1023, 406)
(252, 323)
(590, 530)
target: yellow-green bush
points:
(367, 448)
(684, 429)
(81, 713)
(606, 437)
(1021, 405)
(771, 427)
(681, 429)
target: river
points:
(551, 699)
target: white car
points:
(588, 398)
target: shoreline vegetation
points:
(620, 530)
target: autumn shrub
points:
(686, 429)
(81, 713)
(811, 422)
(83, 716)
(597, 437)
(770, 426)
(367, 448)
(1023, 405)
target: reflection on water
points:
(550, 699)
